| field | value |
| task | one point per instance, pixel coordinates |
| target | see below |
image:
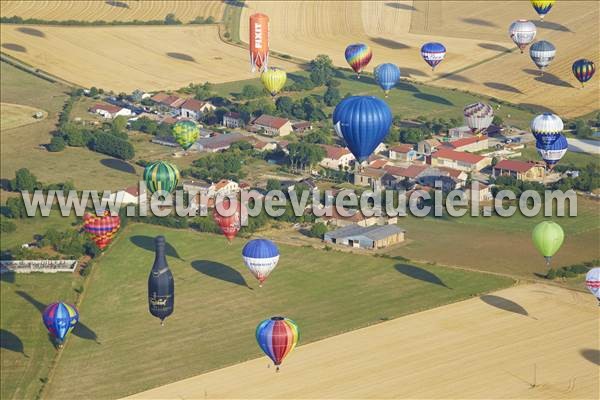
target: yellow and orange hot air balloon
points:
(102, 228)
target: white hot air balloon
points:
(592, 281)
(261, 257)
(542, 53)
(522, 32)
(478, 117)
(546, 128)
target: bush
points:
(113, 146)
(7, 226)
(318, 230)
(551, 274)
(57, 144)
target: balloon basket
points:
(162, 322)
(277, 369)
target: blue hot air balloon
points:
(387, 75)
(60, 319)
(261, 257)
(433, 53)
(363, 122)
(552, 153)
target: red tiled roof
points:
(454, 173)
(106, 107)
(465, 141)
(259, 144)
(457, 156)
(514, 165)
(193, 104)
(402, 148)
(283, 144)
(133, 190)
(378, 163)
(412, 171)
(168, 100)
(221, 184)
(335, 152)
(372, 172)
(270, 121)
(158, 97)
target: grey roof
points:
(220, 140)
(373, 232)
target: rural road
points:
(584, 146)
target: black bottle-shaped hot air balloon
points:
(161, 287)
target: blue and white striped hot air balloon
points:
(552, 153)
(261, 257)
(433, 53)
(387, 75)
(546, 128)
(542, 53)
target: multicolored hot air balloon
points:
(161, 286)
(546, 127)
(186, 133)
(592, 281)
(583, 70)
(358, 56)
(60, 319)
(363, 122)
(433, 53)
(542, 7)
(229, 221)
(261, 257)
(478, 117)
(522, 32)
(277, 337)
(547, 237)
(161, 175)
(387, 76)
(542, 53)
(259, 41)
(103, 228)
(552, 153)
(273, 79)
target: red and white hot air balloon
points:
(228, 215)
(259, 41)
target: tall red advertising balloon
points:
(229, 221)
(259, 41)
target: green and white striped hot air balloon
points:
(161, 175)
(186, 133)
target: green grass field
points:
(27, 228)
(218, 305)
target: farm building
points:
(523, 170)
(165, 141)
(301, 126)
(166, 102)
(131, 195)
(446, 157)
(194, 109)
(370, 237)
(272, 126)
(402, 152)
(459, 132)
(261, 146)
(428, 146)
(218, 142)
(330, 216)
(369, 176)
(233, 120)
(473, 143)
(110, 111)
(336, 157)
(480, 191)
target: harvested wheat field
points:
(474, 33)
(515, 343)
(128, 58)
(15, 115)
(112, 10)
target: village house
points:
(401, 177)
(371, 237)
(368, 176)
(130, 195)
(402, 152)
(283, 146)
(194, 109)
(261, 146)
(301, 126)
(446, 157)
(428, 146)
(377, 163)
(459, 132)
(332, 217)
(522, 170)
(336, 157)
(448, 178)
(272, 126)
(110, 111)
(206, 193)
(472, 144)
(233, 120)
(218, 142)
(167, 103)
(480, 191)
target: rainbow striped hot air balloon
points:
(358, 56)
(261, 257)
(433, 53)
(583, 70)
(277, 337)
(273, 79)
(542, 7)
(546, 128)
(161, 175)
(60, 319)
(186, 133)
(102, 229)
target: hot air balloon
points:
(230, 224)
(522, 32)
(433, 53)
(277, 337)
(60, 319)
(547, 237)
(546, 127)
(161, 175)
(583, 70)
(358, 56)
(592, 281)
(273, 79)
(478, 117)
(186, 132)
(552, 153)
(261, 257)
(161, 286)
(542, 53)
(387, 75)
(542, 7)
(363, 122)
(259, 41)
(103, 228)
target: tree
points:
(302, 155)
(318, 230)
(498, 121)
(119, 124)
(333, 83)
(273, 184)
(397, 121)
(321, 69)
(284, 105)
(582, 130)
(332, 96)
(57, 143)
(170, 19)
(319, 136)
(7, 226)
(24, 180)
(15, 208)
(93, 91)
(112, 145)
(494, 161)
(250, 92)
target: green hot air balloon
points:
(547, 237)
(186, 133)
(161, 175)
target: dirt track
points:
(485, 347)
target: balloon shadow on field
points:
(433, 99)
(7, 277)
(401, 6)
(494, 47)
(553, 26)
(119, 4)
(505, 304)
(147, 243)
(456, 78)
(412, 72)
(547, 78)
(220, 271)
(389, 43)
(503, 87)
(14, 47)
(536, 108)
(118, 165)
(480, 22)
(592, 355)
(10, 341)
(181, 56)
(31, 31)
(420, 274)
(401, 85)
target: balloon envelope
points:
(358, 56)
(363, 122)
(161, 286)
(186, 133)
(546, 127)
(478, 117)
(230, 218)
(433, 53)
(542, 53)
(552, 153)
(261, 257)
(277, 337)
(102, 229)
(592, 281)
(542, 7)
(161, 175)
(522, 32)
(60, 319)
(547, 237)
(583, 70)
(259, 41)
(387, 75)
(273, 79)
